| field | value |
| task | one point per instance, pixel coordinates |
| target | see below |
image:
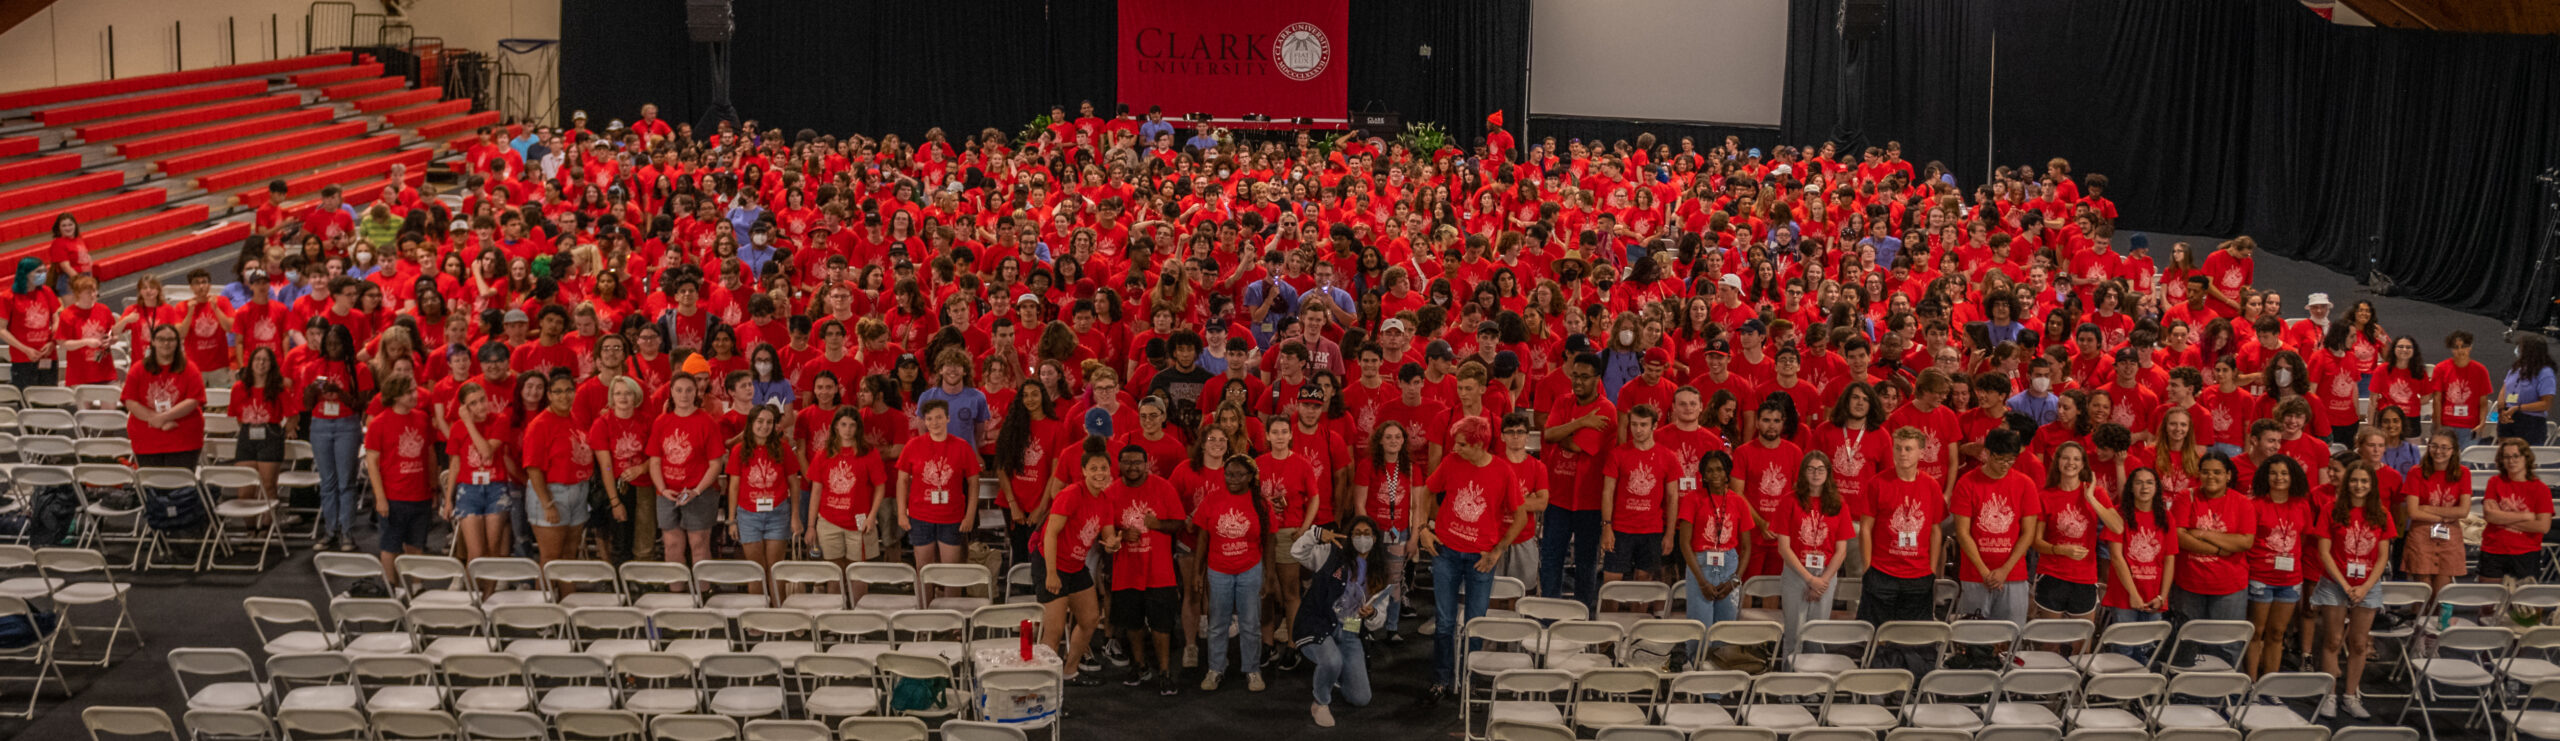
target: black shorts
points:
(1635, 552)
(1158, 610)
(407, 525)
(262, 447)
(2065, 597)
(1069, 582)
(2526, 565)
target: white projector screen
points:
(1714, 61)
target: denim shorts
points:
(2260, 592)
(2331, 594)
(569, 499)
(929, 533)
(774, 524)
(473, 500)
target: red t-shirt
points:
(1999, 509)
(2232, 512)
(401, 441)
(2356, 547)
(626, 441)
(470, 466)
(845, 482)
(2463, 389)
(2069, 520)
(259, 324)
(1571, 475)
(685, 446)
(1645, 479)
(941, 474)
(763, 478)
(1939, 428)
(1716, 520)
(2146, 547)
(1532, 475)
(1474, 503)
(554, 444)
(1230, 533)
(1812, 535)
(1325, 452)
(2284, 530)
(1286, 487)
(1390, 489)
(1767, 476)
(160, 391)
(1148, 562)
(2529, 496)
(1086, 514)
(1905, 532)
(253, 408)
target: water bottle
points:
(2444, 617)
(2493, 414)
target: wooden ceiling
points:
(2535, 17)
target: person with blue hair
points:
(32, 307)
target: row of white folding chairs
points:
(70, 581)
(1531, 731)
(390, 725)
(739, 685)
(360, 626)
(211, 484)
(86, 396)
(1879, 700)
(720, 584)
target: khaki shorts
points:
(836, 543)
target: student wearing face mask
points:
(1346, 576)
(759, 249)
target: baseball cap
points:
(1577, 344)
(459, 225)
(1097, 422)
(1505, 364)
(1717, 348)
(1488, 327)
(517, 315)
(1657, 355)
(1439, 350)
(1309, 392)
(1752, 326)
(1391, 325)
(1730, 281)
(1026, 298)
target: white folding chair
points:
(2068, 637)
(82, 579)
(694, 633)
(101, 522)
(855, 633)
(398, 682)
(584, 583)
(614, 724)
(1990, 637)
(371, 626)
(487, 683)
(900, 666)
(2208, 646)
(2213, 697)
(338, 571)
(883, 729)
(255, 516)
(744, 685)
(2120, 645)
(837, 686)
(1916, 645)
(2018, 733)
(533, 629)
(313, 680)
(101, 450)
(2286, 690)
(1531, 695)
(99, 423)
(658, 585)
(1937, 699)
(44, 449)
(246, 725)
(1608, 697)
(567, 682)
(2114, 702)
(435, 580)
(314, 724)
(876, 575)
(971, 730)
(1578, 646)
(509, 581)
(810, 586)
(1001, 625)
(1696, 701)
(2034, 697)
(1526, 730)
(396, 725)
(1831, 734)
(515, 726)
(711, 577)
(1831, 646)
(1786, 701)
(218, 679)
(693, 728)
(785, 635)
(942, 633)
(1644, 595)
(446, 630)
(953, 583)
(109, 720)
(98, 396)
(1492, 646)
(2392, 639)
(663, 683)
(2375, 733)
(1549, 609)
(2463, 669)
(1752, 635)
(607, 632)
(1866, 693)
(789, 730)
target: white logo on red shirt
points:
(2143, 547)
(678, 449)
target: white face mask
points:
(1362, 543)
(764, 367)
(364, 258)
(2284, 377)
(2041, 384)
(761, 239)
(1626, 337)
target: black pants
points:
(1884, 598)
(2534, 429)
(617, 533)
(23, 375)
(180, 459)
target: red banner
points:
(1228, 58)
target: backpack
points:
(21, 631)
(919, 695)
(54, 514)
(172, 510)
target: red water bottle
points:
(1026, 641)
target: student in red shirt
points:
(1639, 494)
(685, 451)
(1144, 601)
(1079, 517)
(337, 389)
(937, 488)
(2462, 389)
(1231, 520)
(1467, 498)
(1579, 427)
(763, 503)
(476, 497)
(2216, 527)
(2075, 511)
(402, 470)
(2286, 517)
(1899, 533)
(1384, 488)
(268, 411)
(1996, 511)
(1814, 533)
(2355, 534)
(557, 464)
(1712, 546)
(164, 404)
(848, 481)
(2140, 557)
(2518, 509)
(2437, 495)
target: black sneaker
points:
(1408, 614)
(1139, 679)
(1393, 638)
(1089, 664)
(1112, 652)
(1432, 698)
(1084, 679)
(1290, 659)
(1167, 687)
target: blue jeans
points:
(1453, 576)
(1579, 530)
(1340, 661)
(2225, 449)
(334, 445)
(1709, 612)
(1235, 599)
(1399, 545)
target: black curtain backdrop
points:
(872, 66)
(2360, 149)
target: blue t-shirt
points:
(2519, 392)
(968, 410)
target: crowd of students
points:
(1268, 386)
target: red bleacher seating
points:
(36, 167)
(38, 223)
(450, 126)
(406, 116)
(261, 146)
(79, 112)
(110, 235)
(73, 187)
(150, 255)
(341, 74)
(416, 159)
(361, 88)
(309, 159)
(222, 132)
(103, 88)
(391, 100)
(357, 195)
(182, 117)
(17, 145)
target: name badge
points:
(938, 496)
(1351, 624)
(1715, 558)
(764, 503)
(160, 406)
(257, 432)
(2461, 410)
(1813, 562)
(2440, 532)
(1688, 483)
(2284, 563)
(480, 478)
(2355, 571)
(861, 521)
(329, 408)
(1906, 540)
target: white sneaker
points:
(1324, 716)
(2355, 708)
(1428, 627)
(2328, 707)
(1210, 683)
(1253, 681)
(1191, 657)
